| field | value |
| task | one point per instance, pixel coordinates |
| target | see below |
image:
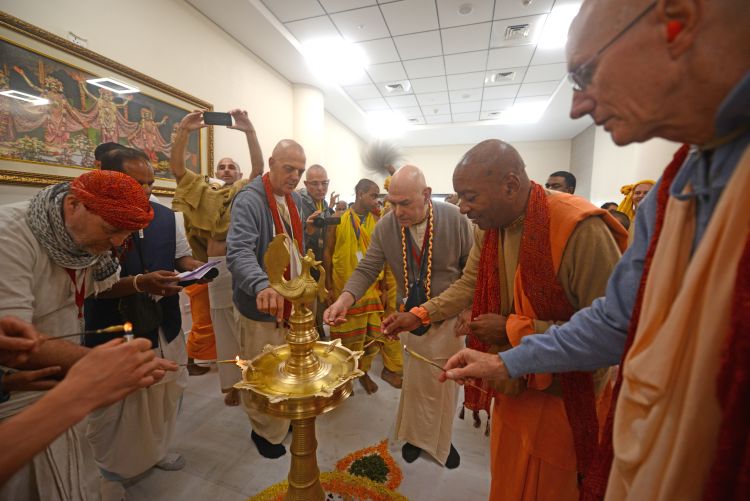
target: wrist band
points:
(422, 314)
(135, 282)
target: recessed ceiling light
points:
(555, 33)
(335, 59)
(465, 9)
(113, 85)
(23, 96)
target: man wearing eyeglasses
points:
(675, 314)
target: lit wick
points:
(127, 328)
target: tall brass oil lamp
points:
(303, 378)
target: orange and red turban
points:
(115, 197)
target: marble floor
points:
(223, 464)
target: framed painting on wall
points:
(49, 130)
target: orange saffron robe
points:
(201, 343)
(532, 450)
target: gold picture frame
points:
(47, 144)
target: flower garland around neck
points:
(428, 235)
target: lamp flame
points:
(127, 327)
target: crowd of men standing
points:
(537, 289)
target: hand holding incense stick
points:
(127, 328)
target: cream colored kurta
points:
(668, 415)
(39, 291)
(426, 407)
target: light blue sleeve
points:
(595, 336)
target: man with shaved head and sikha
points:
(264, 208)
(675, 314)
(538, 256)
(426, 244)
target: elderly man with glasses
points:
(675, 314)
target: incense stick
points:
(106, 330)
(435, 364)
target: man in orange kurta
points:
(538, 256)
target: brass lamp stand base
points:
(304, 475)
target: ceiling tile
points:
(538, 89)
(536, 23)
(291, 10)
(424, 85)
(361, 24)
(436, 109)
(379, 51)
(426, 67)
(362, 91)
(419, 45)
(545, 72)
(338, 5)
(360, 78)
(308, 29)
(373, 104)
(509, 57)
(501, 92)
(411, 112)
(466, 81)
(386, 72)
(496, 104)
(516, 78)
(463, 63)
(432, 99)
(466, 95)
(449, 15)
(410, 16)
(402, 101)
(465, 107)
(466, 117)
(505, 9)
(466, 38)
(549, 56)
(440, 119)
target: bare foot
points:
(232, 398)
(368, 384)
(392, 378)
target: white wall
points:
(342, 159)
(170, 41)
(541, 157)
(582, 161)
(615, 166)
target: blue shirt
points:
(595, 336)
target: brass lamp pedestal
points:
(303, 378)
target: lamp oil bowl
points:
(303, 378)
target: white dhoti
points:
(427, 407)
(253, 337)
(132, 435)
(226, 330)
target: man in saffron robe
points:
(346, 246)
(538, 256)
(675, 314)
(264, 208)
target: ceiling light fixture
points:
(113, 85)
(555, 32)
(465, 9)
(23, 96)
(526, 113)
(335, 60)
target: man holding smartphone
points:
(206, 211)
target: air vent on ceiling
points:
(413, 120)
(400, 87)
(517, 31)
(501, 76)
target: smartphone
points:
(217, 118)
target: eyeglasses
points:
(581, 76)
(322, 184)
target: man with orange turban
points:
(54, 251)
